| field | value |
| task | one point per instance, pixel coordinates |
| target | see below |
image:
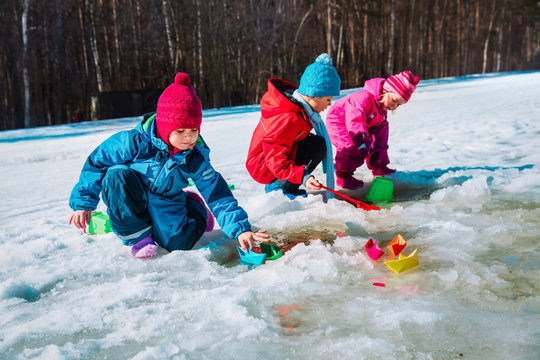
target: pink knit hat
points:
(403, 84)
(178, 108)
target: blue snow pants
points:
(175, 223)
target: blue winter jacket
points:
(161, 173)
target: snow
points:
(467, 196)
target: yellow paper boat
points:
(404, 263)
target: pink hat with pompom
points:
(178, 108)
(403, 84)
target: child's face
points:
(183, 139)
(318, 104)
(391, 101)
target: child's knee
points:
(118, 174)
(347, 161)
(319, 145)
(193, 229)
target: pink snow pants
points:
(350, 159)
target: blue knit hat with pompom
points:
(320, 78)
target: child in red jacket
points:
(283, 152)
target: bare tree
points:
(488, 36)
(58, 56)
(26, 76)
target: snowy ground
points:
(467, 197)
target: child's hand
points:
(313, 184)
(80, 218)
(247, 237)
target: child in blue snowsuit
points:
(141, 174)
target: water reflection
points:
(289, 318)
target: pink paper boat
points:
(373, 250)
(397, 245)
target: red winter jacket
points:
(282, 126)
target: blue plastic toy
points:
(250, 257)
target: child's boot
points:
(145, 248)
(289, 189)
(273, 186)
(382, 171)
(210, 217)
(349, 182)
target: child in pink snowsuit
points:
(358, 127)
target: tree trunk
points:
(500, 31)
(410, 42)
(83, 44)
(170, 42)
(199, 41)
(116, 41)
(390, 63)
(306, 15)
(26, 76)
(442, 57)
(466, 37)
(329, 27)
(107, 57)
(61, 61)
(93, 45)
(486, 42)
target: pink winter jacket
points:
(354, 114)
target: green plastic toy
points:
(381, 190)
(99, 224)
(272, 252)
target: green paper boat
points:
(272, 252)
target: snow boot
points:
(145, 248)
(289, 189)
(349, 182)
(382, 171)
(210, 217)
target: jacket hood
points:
(147, 127)
(275, 101)
(374, 86)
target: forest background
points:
(65, 61)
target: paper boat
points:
(397, 245)
(272, 252)
(373, 250)
(251, 257)
(404, 263)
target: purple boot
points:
(210, 218)
(383, 171)
(349, 182)
(145, 248)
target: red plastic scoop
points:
(359, 204)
